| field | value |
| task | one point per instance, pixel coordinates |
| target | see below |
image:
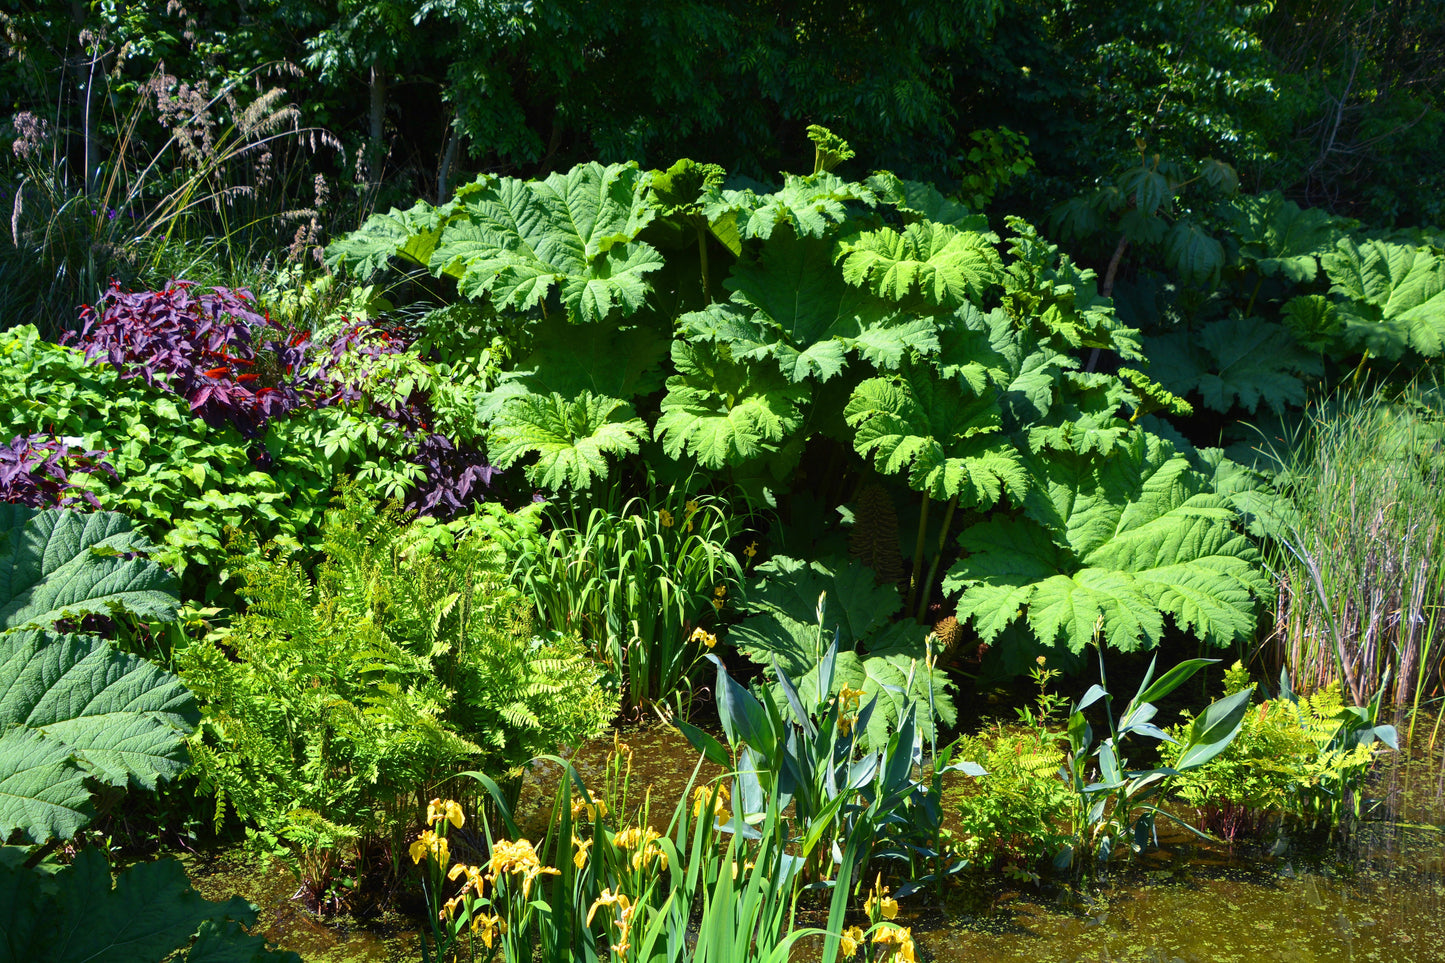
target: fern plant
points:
(331, 707)
(1300, 757)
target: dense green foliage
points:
(190, 485)
(1302, 757)
(950, 358)
(76, 714)
(713, 380)
(332, 706)
(643, 587)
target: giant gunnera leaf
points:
(146, 913)
(944, 265)
(572, 438)
(724, 412)
(411, 234)
(1278, 237)
(1235, 361)
(1390, 298)
(1118, 542)
(945, 433)
(790, 304)
(796, 609)
(73, 706)
(576, 232)
(811, 205)
(58, 564)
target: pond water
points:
(1375, 892)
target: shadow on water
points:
(1372, 892)
(286, 922)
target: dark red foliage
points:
(35, 471)
(237, 367)
(192, 342)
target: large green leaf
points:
(146, 913)
(896, 678)
(723, 411)
(1393, 297)
(1126, 540)
(1057, 300)
(42, 791)
(797, 608)
(918, 201)
(102, 712)
(807, 318)
(411, 234)
(812, 206)
(518, 240)
(1192, 252)
(1213, 730)
(59, 564)
(943, 264)
(1236, 361)
(1085, 418)
(571, 437)
(942, 432)
(602, 358)
(981, 347)
(1279, 238)
(790, 590)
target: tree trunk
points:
(449, 160)
(376, 148)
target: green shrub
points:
(332, 706)
(188, 484)
(1294, 756)
(1017, 816)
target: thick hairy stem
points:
(1113, 270)
(449, 160)
(917, 555)
(933, 565)
(1249, 310)
(702, 256)
(1108, 289)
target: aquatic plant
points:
(850, 804)
(1360, 546)
(642, 585)
(602, 884)
(1012, 818)
(1297, 756)
(1113, 807)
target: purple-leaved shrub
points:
(35, 471)
(235, 366)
